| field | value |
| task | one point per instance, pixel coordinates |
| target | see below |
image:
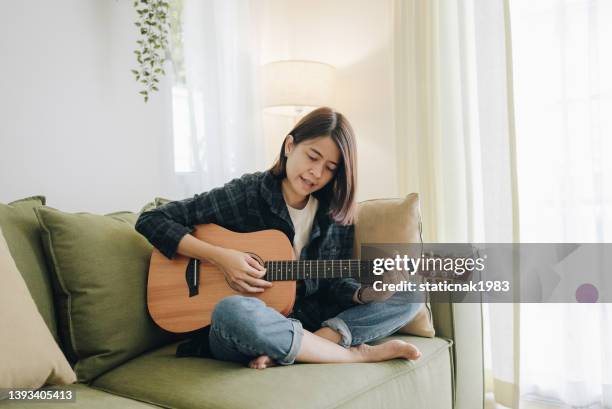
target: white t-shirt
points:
(302, 222)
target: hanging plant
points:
(153, 27)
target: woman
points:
(309, 194)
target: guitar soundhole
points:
(256, 257)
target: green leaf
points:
(154, 88)
(135, 72)
(143, 92)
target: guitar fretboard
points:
(312, 269)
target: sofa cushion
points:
(155, 203)
(100, 265)
(394, 221)
(421, 324)
(22, 233)
(161, 378)
(30, 356)
(388, 221)
(85, 398)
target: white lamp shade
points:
(293, 87)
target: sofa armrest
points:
(462, 323)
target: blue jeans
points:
(243, 328)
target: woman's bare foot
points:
(262, 362)
(389, 350)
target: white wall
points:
(355, 36)
(73, 126)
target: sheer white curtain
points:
(464, 71)
(452, 122)
(216, 97)
(563, 93)
(455, 144)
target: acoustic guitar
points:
(182, 292)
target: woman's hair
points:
(339, 193)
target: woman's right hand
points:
(242, 272)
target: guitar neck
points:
(361, 270)
(283, 270)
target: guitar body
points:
(170, 303)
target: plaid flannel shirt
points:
(251, 203)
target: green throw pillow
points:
(100, 265)
(147, 207)
(22, 232)
(158, 201)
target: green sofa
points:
(123, 360)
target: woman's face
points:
(311, 164)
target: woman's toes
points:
(411, 352)
(416, 354)
(403, 349)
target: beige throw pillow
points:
(29, 355)
(394, 221)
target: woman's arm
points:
(168, 228)
(165, 226)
